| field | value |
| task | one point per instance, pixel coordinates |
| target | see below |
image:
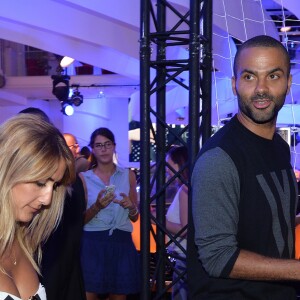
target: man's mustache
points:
(262, 97)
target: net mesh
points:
(236, 21)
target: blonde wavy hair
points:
(31, 150)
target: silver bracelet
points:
(134, 214)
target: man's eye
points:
(248, 77)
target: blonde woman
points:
(36, 166)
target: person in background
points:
(86, 152)
(109, 259)
(61, 272)
(61, 266)
(36, 111)
(81, 163)
(36, 169)
(244, 190)
(177, 216)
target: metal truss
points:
(190, 30)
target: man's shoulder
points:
(81, 158)
(81, 164)
(225, 138)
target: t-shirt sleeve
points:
(215, 199)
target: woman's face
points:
(29, 197)
(103, 149)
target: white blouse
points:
(39, 295)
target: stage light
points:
(61, 87)
(67, 108)
(77, 98)
(101, 94)
(285, 29)
(66, 61)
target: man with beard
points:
(241, 241)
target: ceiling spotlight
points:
(66, 61)
(285, 29)
(67, 108)
(61, 87)
(77, 98)
(101, 94)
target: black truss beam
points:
(192, 31)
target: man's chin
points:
(263, 117)
(264, 121)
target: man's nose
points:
(262, 86)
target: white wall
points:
(92, 114)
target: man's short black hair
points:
(261, 41)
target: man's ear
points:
(289, 83)
(233, 85)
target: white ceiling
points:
(105, 34)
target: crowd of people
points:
(88, 226)
(66, 213)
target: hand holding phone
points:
(109, 189)
(106, 196)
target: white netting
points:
(235, 21)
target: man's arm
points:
(215, 200)
(215, 192)
(253, 266)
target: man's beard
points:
(262, 116)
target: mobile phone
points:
(109, 189)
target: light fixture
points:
(101, 94)
(285, 29)
(67, 108)
(76, 98)
(61, 87)
(60, 90)
(66, 61)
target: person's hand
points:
(102, 201)
(125, 202)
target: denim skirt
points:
(110, 263)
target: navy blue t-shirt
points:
(243, 197)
